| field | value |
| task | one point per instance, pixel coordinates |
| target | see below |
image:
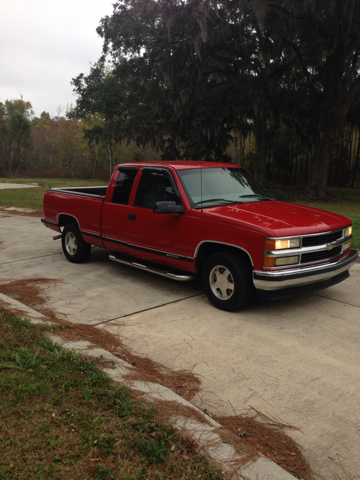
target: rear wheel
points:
(76, 250)
(227, 281)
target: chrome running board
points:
(164, 273)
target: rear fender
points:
(64, 219)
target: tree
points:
(335, 30)
(326, 45)
(15, 132)
(161, 88)
(185, 76)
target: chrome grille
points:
(322, 255)
(315, 240)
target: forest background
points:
(271, 85)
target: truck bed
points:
(88, 191)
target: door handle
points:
(132, 216)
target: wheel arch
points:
(208, 247)
(64, 219)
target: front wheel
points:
(227, 281)
(73, 245)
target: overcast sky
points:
(43, 45)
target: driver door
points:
(160, 238)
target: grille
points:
(321, 239)
(323, 255)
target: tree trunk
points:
(261, 140)
(96, 157)
(349, 155)
(356, 163)
(10, 156)
(329, 125)
(296, 168)
(110, 156)
(342, 163)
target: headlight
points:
(347, 231)
(282, 244)
(286, 261)
(280, 261)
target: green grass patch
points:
(23, 197)
(33, 197)
(62, 417)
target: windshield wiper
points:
(216, 200)
(255, 195)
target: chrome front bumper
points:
(298, 277)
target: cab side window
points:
(155, 186)
(124, 185)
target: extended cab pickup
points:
(181, 219)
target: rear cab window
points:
(124, 184)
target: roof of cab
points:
(178, 164)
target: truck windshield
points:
(210, 187)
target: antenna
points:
(201, 182)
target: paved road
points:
(297, 359)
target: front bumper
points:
(283, 283)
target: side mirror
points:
(168, 207)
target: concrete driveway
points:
(8, 185)
(297, 360)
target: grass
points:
(33, 197)
(62, 417)
(23, 198)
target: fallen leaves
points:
(18, 411)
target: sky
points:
(43, 45)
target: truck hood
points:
(277, 218)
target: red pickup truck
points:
(181, 219)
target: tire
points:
(227, 281)
(73, 245)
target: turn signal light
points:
(269, 262)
